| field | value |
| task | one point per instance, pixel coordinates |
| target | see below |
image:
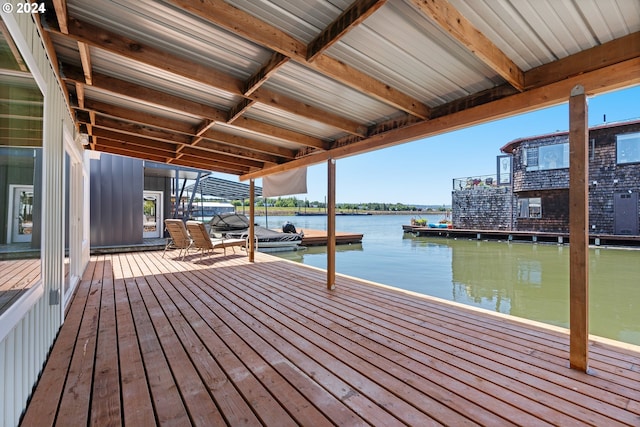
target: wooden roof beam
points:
(176, 103)
(350, 18)
(178, 139)
(251, 28)
(461, 29)
(85, 59)
(612, 52)
(244, 145)
(613, 77)
(60, 6)
(91, 35)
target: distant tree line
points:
(294, 202)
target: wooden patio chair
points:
(204, 243)
(179, 237)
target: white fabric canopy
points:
(285, 183)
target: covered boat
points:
(236, 226)
(229, 221)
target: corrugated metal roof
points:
(377, 80)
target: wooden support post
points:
(252, 219)
(331, 224)
(578, 229)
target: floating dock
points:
(319, 237)
(521, 236)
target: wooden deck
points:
(319, 237)
(17, 276)
(153, 341)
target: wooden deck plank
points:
(502, 363)
(202, 410)
(105, 397)
(226, 342)
(308, 385)
(231, 371)
(137, 407)
(168, 405)
(47, 395)
(392, 358)
(232, 406)
(277, 329)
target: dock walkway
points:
(526, 236)
(155, 341)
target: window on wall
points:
(628, 148)
(21, 123)
(547, 157)
(530, 207)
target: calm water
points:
(522, 279)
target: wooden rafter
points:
(274, 63)
(85, 59)
(179, 140)
(350, 18)
(244, 146)
(60, 7)
(260, 32)
(606, 79)
(91, 35)
(454, 23)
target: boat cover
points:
(229, 221)
(266, 235)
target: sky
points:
(421, 172)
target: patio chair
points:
(179, 237)
(204, 243)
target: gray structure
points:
(536, 195)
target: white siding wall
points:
(24, 349)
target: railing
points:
(476, 182)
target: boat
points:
(229, 221)
(236, 226)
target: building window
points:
(530, 208)
(628, 148)
(547, 157)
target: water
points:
(521, 279)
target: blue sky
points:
(421, 172)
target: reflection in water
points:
(522, 279)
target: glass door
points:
(152, 214)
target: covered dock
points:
(155, 341)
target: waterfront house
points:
(532, 191)
(229, 87)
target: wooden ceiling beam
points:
(90, 35)
(210, 166)
(139, 141)
(251, 28)
(85, 59)
(140, 117)
(280, 133)
(461, 29)
(132, 90)
(274, 63)
(350, 18)
(107, 127)
(212, 139)
(60, 6)
(612, 52)
(613, 77)
(115, 147)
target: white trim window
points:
(628, 148)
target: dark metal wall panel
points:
(116, 200)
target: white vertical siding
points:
(24, 349)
